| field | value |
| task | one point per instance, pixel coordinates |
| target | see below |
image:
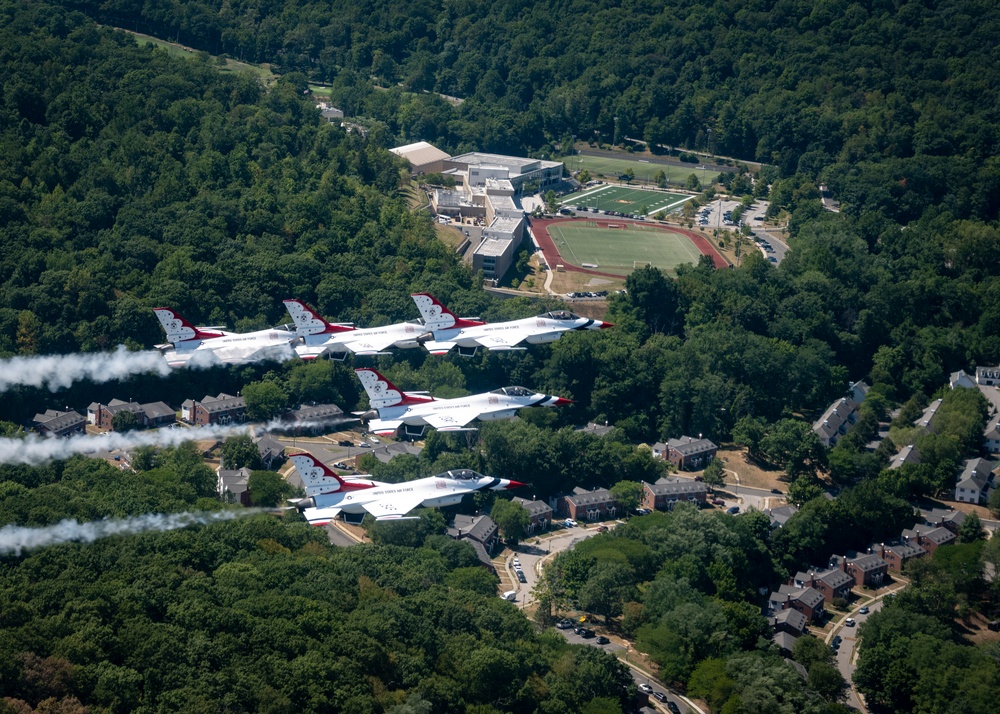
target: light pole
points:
(615, 142)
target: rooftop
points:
(493, 246)
(589, 498)
(420, 153)
(688, 445)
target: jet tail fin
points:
(437, 316)
(383, 393)
(178, 329)
(308, 321)
(318, 478)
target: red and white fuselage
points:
(395, 408)
(330, 495)
(468, 336)
(211, 345)
(321, 337)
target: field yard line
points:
(669, 206)
(565, 245)
(577, 197)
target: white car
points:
(570, 523)
(850, 622)
(374, 440)
(646, 688)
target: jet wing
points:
(393, 508)
(384, 426)
(503, 342)
(321, 516)
(241, 354)
(371, 345)
(454, 420)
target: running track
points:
(540, 229)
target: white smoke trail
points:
(17, 539)
(35, 450)
(59, 371)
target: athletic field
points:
(612, 167)
(620, 250)
(624, 199)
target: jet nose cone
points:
(561, 402)
(514, 484)
(606, 325)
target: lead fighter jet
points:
(213, 345)
(392, 408)
(329, 495)
(447, 331)
(319, 336)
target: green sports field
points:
(624, 199)
(612, 167)
(616, 250)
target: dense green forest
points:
(130, 179)
(261, 615)
(889, 101)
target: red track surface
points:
(540, 229)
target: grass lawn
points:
(615, 250)
(624, 199)
(227, 65)
(644, 170)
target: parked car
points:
(564, 624)
(587, 633)
(646, 688)
(850, 622)
(344, 442)
(777, 491)
(864, 610)
(521, 576)
(718, 502)
(673, 708)
(733, 510)
(570, 523)
(659, 696)
(602, 640)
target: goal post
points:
(641, 264)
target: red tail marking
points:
(459, 321)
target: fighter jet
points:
(338, 340)
(470, 336)
(329, 495)
(213, 345)
(392, 408)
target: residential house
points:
(660, 450)
(991, 434)
(689, 453)
(808, 601)
(866, 570)
(223, 409)
(56, 423)
(233, 485)
(975, 481)
(272, 453)
(539, 512)
(907, 455)
(943, 517)
(153, 414)
(929, 538)
(780, 515)
(388, 452)
(961, 379)
(926, 420)
(988, 376)
(785, 641)
(791, 621)
(583, 505)
(596, 429)
(832, 582)
(897, 554)
(840, 416)
(481, 532)
(665, 494)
